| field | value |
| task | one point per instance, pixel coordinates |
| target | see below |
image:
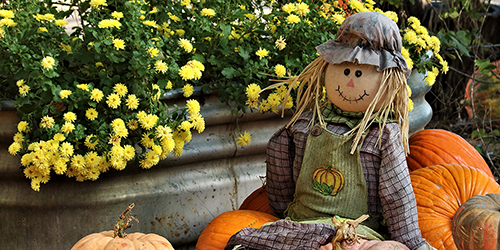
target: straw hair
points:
(392, 97)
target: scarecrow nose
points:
(350, 84)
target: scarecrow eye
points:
(347, 72)
(358, 73)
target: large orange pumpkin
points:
(257, 201)
(439, 191)
(476, 224)
(437, 146)
(117, 239)
(219, 230)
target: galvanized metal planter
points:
(421, 114)
(175, 199)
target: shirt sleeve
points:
(395, 191)
(285, 151)
(279, 174)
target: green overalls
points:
(331, 182)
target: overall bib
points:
(331, 183)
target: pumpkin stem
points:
(123, 222)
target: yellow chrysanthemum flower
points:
(280, 70)
(66, 47)
(120, 89)
(91, 142)
(7, 22)
(113, 101)
(59, 137)
(244, 139)
(65, 93)
(96, 95)
(68, 127)
(14, 148)
(252, 91)
(23, 90)
(161, 66)
(128, 152)
(188, 90)
(132, 102)
(22, 126)
(42, 29)
(109, 23)
(288, 8)
(48, 62)
(302, 9)
(207, 12)
(66, 149)
(97, 3)
(292, 19)
(60, 22)
(117, 15)
(193, 106)
(187, 72)
(119, 44)
(151, 23)
(7, 13)
(280, 43)
(186, 45)
(69, 116)
(153, 51)
(262, 53)
(83, 86)
(47, 122)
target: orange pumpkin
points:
(437, 146)
(257, 201)
(328, 180)
(439, 191)
(219, 230)
(116, 239)
(476, 223)
(107, 240)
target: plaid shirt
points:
(387, 178)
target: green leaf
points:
(226, 29)
(228, 72)
(485, 67)
(244, 52)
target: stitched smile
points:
(351, 99)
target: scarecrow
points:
(337, 173)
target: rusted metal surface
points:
(175, 199)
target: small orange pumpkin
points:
(439, 191)
(476, 223)
(116, 239)
(221, 228)
(437, 146)
(257, 201)
(328, 180)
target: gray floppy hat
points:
(366, 38)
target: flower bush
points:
(90, 96)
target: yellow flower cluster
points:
(207, 12)
(273, 101)
(192, 70)
(59, 156)
(417, 40)
(109, 23)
